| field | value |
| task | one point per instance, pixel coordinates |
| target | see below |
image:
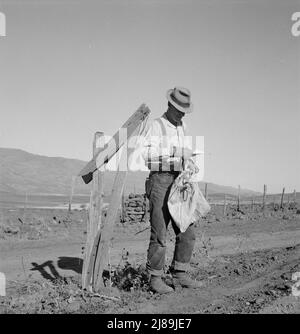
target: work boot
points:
(157, 285)
(181, 278)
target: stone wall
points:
(134, 208)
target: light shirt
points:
(158, 145)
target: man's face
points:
(175, 114)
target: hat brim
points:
(177, 106)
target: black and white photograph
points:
(149, 160)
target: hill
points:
(22, 172)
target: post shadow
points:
(42, 269)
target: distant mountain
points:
(22, 172)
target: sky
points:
(70, 68)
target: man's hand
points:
(182, 152)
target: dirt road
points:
(65, 255)
(247, 267)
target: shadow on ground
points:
(49, 271)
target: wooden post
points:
(252, 204)
(274, 202)
(72, 192)
(238, 198)
(99, 244)
(282, 198)
(25, 207)
(103, 239)
(101, 255)
(224, 207)
(205, 191)
(295, 196)
(95, 213)
(264, 197)
(98, 184)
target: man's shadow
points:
(66, 263)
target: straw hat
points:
(180, 98)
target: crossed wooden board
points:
(103, 155)
(99, 250)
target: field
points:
(246, 259)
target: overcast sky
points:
(70, 68)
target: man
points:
(164, 151)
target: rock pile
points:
(134, 209)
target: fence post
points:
(238, 198)
(25, 207)
(95, 215)
(252, 204)
(224, 207)
(99, 142)
(295, 196)
(104, 236)
(72, 192)
(282, 198)
(205, 191)
(99, 250)
(264, 197)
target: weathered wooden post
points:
(72, 192)
(282, 198)
(95, 212)
(96, 262)
(25, 207)
(264, 197)
(224, 207)
(107, 230)
(205, 191)
(252, 204)
(99, 142)
(295, 196)
(238, 198)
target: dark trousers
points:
(158, 192)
